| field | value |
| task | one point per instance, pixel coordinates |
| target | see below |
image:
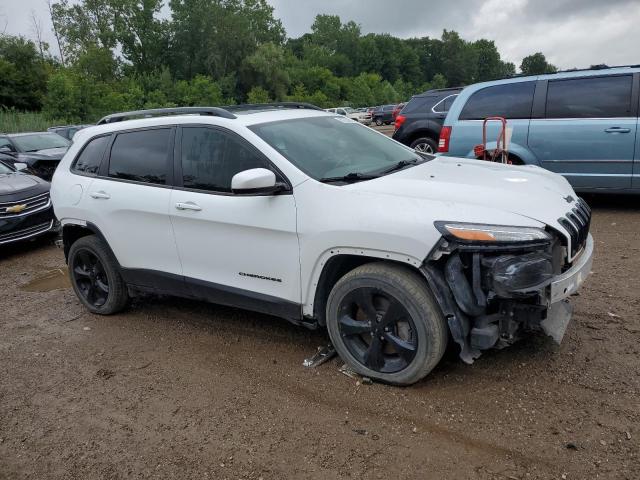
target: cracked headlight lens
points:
(475, 232)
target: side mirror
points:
(20, 167)
(258, 181)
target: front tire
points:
(378, 122)
(95, 277)
(385, 324)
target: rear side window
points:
(141, 156)
(599, 97)
(511, 100)
(88, 162)
(211, 157)
(444, 105)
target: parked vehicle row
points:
(359, 115)
(231, 207)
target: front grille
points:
(23, 207)
(26, 232)
(577, 223)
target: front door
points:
(233, 248)
(589, 131)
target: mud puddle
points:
(50, 280)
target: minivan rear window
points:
(594, 97)
(509, 100)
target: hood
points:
(46, 154)
(527, 191)
(19, 183)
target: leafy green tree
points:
(23, 74)
(536, 64)
(266, 68)
(258, 95)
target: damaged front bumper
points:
(492, 297)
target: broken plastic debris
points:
(348, 372)
(322, 355)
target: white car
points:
(310, 216)
(352, 113)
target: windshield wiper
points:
(400, 165)
(349, 178)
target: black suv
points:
(418, 124)
(383, 114)
(41, 151)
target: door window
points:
(141, 156)
(595, 97)
(88, 162)
(510, 100)
(211, 157)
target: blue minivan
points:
(582, 124)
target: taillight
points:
(399, 121)
(443, 142)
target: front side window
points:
(89, 160)
(141, 156)
(211, 157)
(325, 147)
(597, 97)
(510, 100)
(40, 141)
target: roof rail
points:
(267, 106)
(570, 70)
(212, 111)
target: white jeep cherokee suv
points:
(292, 211)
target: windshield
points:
(4, 170)
(324, 147)
(349, 110)
(39, 141)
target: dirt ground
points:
(181, 389)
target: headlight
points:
(475, 232)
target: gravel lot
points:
(181, 389)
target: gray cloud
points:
(571, 33)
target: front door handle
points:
(100, 195)
(617, 130)
(188, 206)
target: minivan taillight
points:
(445, 136)
(399, 121)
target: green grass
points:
(12, 121)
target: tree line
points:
(117, 55)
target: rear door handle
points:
(100, 195)
(617, 130)
(188, 206)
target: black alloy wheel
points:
(377, 329)
(90, 278)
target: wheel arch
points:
(515, 150)
(334, 264)
(72, 232)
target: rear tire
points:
(425, 145)
(378, 122)
(95, 278)
(385, 324)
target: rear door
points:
(129, 202)
(588, 131)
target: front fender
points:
(312, 285)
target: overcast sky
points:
(571, 33)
